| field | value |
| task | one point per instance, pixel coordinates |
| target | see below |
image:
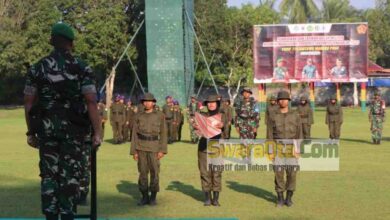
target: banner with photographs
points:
(310, 53)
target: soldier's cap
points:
(211, 98)
(246, 89)
(193, 97)
(226, 100)
(280, 59)
(283, 95)
(333, 97)
(117, 97)
(175, 102)
(168, 97)
(64, 30)
(148, 97)
(304, 98)
(377, 93)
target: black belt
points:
(147, 138)
(168, 118)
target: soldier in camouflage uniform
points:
(334, 118)
(60, 105)
(167, 109)
(102, 110)
(148, 146)
(284, 124)
(117, 119)
(376, 116)
(211, 179)
(247, 115)
(306, 114)
(227, 109)
(192, 108)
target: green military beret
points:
(272, 98)
(246, 89)
(377, 93)
(64, 30)
(148, 97)
(284, 95)
(333, 97)
(211, 98)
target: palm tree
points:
(339, 10)
(299, 11)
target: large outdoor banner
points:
(310, 52)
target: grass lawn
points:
(360, 190)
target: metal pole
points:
(135, 73)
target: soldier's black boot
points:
(207, 200)
(83, 199)
(215, 199)
(280, 201)
(378, 141)
(67, 216)
(50, 216)
(153, 198)
(144, 200)
(288, 198)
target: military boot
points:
(215, 199)
(153, 198)
(288, 201)
(144, 200)
(207, 200)
(280, 201)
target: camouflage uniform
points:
(377, 117)
(306, 114)
(247, 116)
(334, 119)
(192, 108)
(60, 81)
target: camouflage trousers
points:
(193, 135)
(245, 128)
(86, 166)
(60, 171)
(376, 127)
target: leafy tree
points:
(299, 11)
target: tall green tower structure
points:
(170, 48)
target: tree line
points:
(104, 27)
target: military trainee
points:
(227, 109)
(334, 118)
(60, 105)
(117, 119)
(211, 179)
(376, 116)
(306, 114)
(191, 109)
(272, 108)
(167, 109)
(285, 124)
(148, 146)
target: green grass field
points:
(360, 190)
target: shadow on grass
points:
(248, 189)
(186, 189)
(356, 140)
(128, 188)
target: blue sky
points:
(359, 4)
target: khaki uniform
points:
(285, 126)
(169, 112)
(148, 139)
(334, 119)
(117, 119)
(210, 179)
(130, 113)
(269, 112)
(176, 122)
(102, 111)
(228, 111)
(306, 114)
